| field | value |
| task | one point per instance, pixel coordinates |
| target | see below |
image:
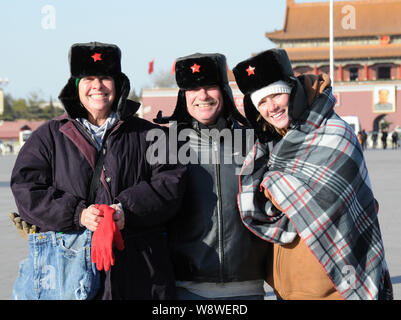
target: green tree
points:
(50, 111)
(164, 79)
(133, 96)
(35, 112)
(20, 109)
(31, 108)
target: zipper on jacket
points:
(220, 242)
(219, 210)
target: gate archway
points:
(376, 122)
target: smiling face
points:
(204, 104)
(274, 109)
(97, 94)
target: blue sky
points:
(35, 59)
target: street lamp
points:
(331, 40)
(3, 83)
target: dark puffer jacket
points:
(51, 179)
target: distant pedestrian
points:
(384, 138)
(360, 138)
(374, 139)
(364, 139)
(394, 139)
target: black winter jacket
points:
(51, 178)
(207, 239)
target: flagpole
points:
(331, 46)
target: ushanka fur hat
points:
(259, 72)
(202, 70)
(96, 59)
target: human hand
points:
(119, 216)
(91, 217)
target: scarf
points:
(98, 132)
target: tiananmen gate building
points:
(367, 58)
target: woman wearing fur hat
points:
(54, 189)
(318, 207)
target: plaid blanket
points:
(318, 176)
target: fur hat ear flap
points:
(180, 113)
(298, 102)
(122, 86)
(251, 113)
(70, 99)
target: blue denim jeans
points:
(58, 267)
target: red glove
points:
(103, 238)
(117, 237)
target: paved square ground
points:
(384, 169)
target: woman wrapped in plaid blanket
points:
(313, 199)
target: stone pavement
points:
(384, 169)
(385, 174)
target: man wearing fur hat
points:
(319, 210)
(98, 136)
(214, 256)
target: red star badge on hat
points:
(250, 70)
(96, 57)
(195, 68)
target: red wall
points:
(361, 104)
(166, 104)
